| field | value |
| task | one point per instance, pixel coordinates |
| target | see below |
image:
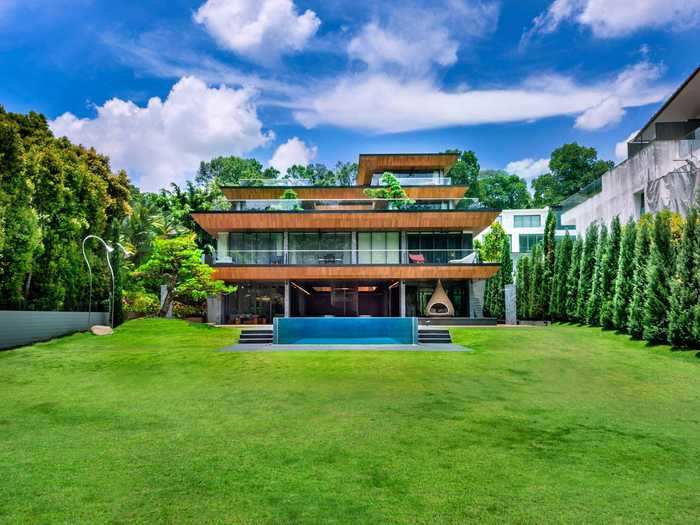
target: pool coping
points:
(434, 347)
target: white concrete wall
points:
(25, 327)
(622, 183)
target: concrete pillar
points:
(215, 313)
(285, 248)
(163, 293)
(353, 248)
(402, 298)
(404, 248)
(287, 299)
(476, 298)
(511, 315)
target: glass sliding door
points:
(378, 247)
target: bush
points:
(141, 303)
(182, 311)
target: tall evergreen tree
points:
(659, 272)
(523, 287)
(642, 247)
(498, 282)
(557, 303)
(685, 286)
(611, 258)
(572, 279)
(536, 298)
(586, 267)
(548, 254)
(624, 277)
(595, 299)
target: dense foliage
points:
(642, 278)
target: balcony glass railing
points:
(354, 204)
(331, 256)
(689, 146)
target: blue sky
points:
(161, 85)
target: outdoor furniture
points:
(418, 258)
(467, 259)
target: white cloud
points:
(292, 152)
(621, 147)
(528, 168)
(261, 30)
(609, 111)
(384, 103)
(164, 141)
(413, 51)
(610, 19)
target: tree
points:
(642, 247)
(536, 299)
(595, 299)
(572, 280)
(624, 278)
(177, 264)
(609, 264)
(586, 267)
(548, 248)
(496, 290)
(314, 174)
(563, 261)
(685, 286)
(523, 286)
(465, 172)
(392, 191)
(229, 171)
(346, 173)
(659, 271)
(571, 168)
(501, 190)
(491, 249)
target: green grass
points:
(538, 425)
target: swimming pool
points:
(345, 330)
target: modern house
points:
(525, 228)
(660, 173)
(335, 251)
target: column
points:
(287, 299)
(402, 298)
(353, 248)
(285, 248)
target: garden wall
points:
(19, 328)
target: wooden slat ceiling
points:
(354, 272)
(474, 221)
(329, 192)
(370, 164)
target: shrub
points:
(182, 311)
(623, 279)
(659, 271)
(639, 286)
(586, 268)
(608, 273)
(685, 287)
(141, 303)
(572, 279)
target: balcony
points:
(340, 257)
(368, 204)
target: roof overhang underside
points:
(371, 164)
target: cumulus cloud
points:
(260, 30)
(621, 147)
(164, 141)
(385, 103)
(292, 152)
(608, 19)
(609, 111)
(528, 168)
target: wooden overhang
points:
(239, 193)
(396, 162)
(442, 220)
(355, 272)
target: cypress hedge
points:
(623, 279)
(557, 302)
(642, 246)
(523, 287)
(609, 265)
(595, 299)
(685, 288)
(659, 272)
(572, 279)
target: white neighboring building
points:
(660, 173)
(526, 228)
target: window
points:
(640, 203)
(438, 247)
(256, 247)
(378, 248)
(528, 241)
(320, 247)
(527, 221)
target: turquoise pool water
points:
(345, 330)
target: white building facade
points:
(660, 173)
(525, 227)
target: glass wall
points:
(528, 241)
(256, 247)
(438, 247)
(320, 248)
(378, 248)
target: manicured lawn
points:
(538, 425)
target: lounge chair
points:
(417, 258)
(467, 259)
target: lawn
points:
(538, 425)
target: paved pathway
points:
(445, 347)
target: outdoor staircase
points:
(256, 336)
(428, 336)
